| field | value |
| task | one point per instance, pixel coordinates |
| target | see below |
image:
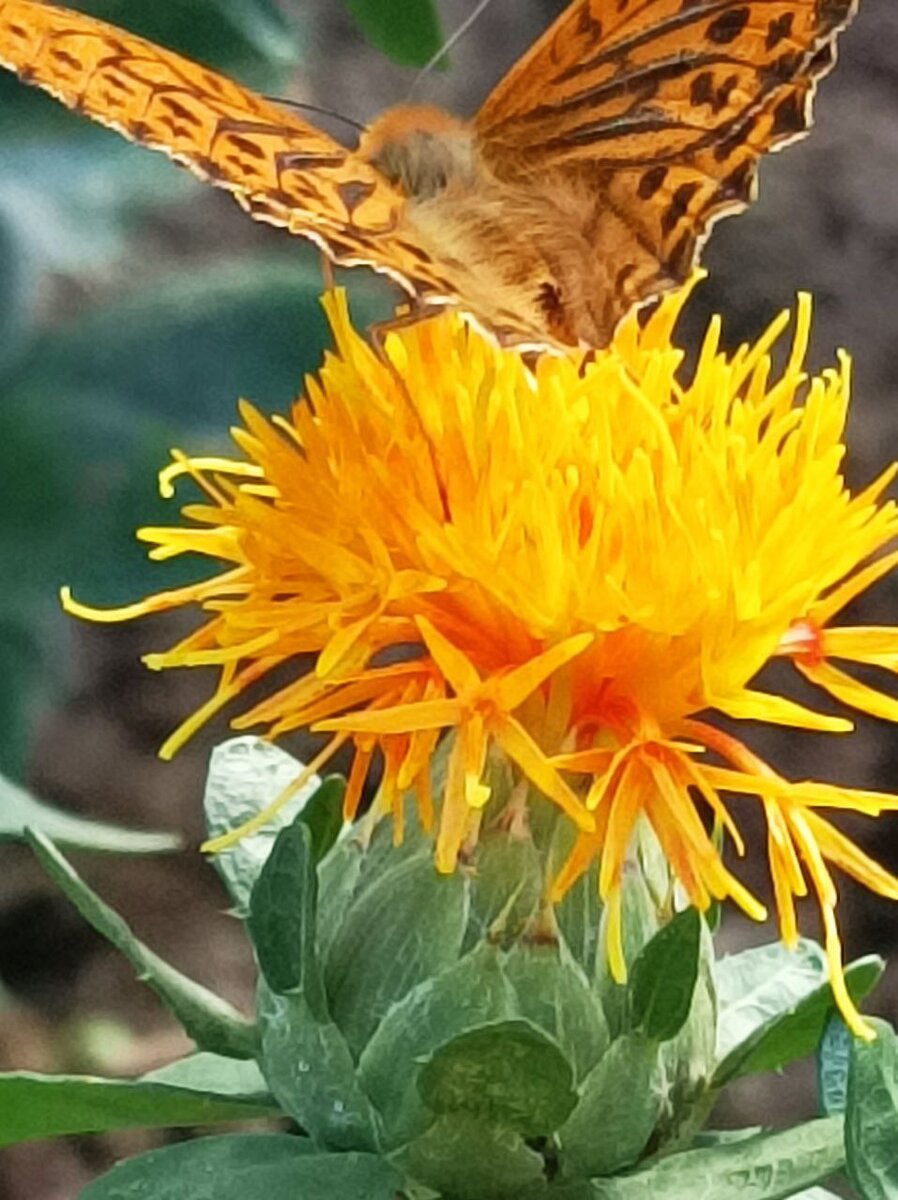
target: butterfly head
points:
(420, 149)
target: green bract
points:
(448, 1036)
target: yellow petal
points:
(857, 583)
(875, 645)
(514, 687)
(614, 943)
(451, 661)
(850, 691)
(523, 750)
(762, 706)
(403, 718)
(849, 858)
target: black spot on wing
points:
(245, 146)
(178, 111)
(650, 182)
(788, 116)
(588, 25)
(678, 207)
(737, 186)
(727, 27)
(701, 90)
(781, 69)
(779, 28)
(295, 160)
(724, 92)
(65, 59)
(728, 145)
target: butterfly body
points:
(586, 183)
(521, 241)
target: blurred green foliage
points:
(408, 31)
(120, 337)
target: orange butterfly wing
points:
(609, 150)
(663, 108)
(279, 168)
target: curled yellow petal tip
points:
(107, 616)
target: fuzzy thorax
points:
(521, 254)
(421, 149)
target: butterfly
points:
(586, 184)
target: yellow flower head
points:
(570, 563)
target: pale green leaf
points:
(815, 1193)
(774, 1005)
(758, 985)
(245, 775)
(211, 1021)
(310, 1071)
(871, 1115)
(662, 980)
(273, 1167)
(505, 888)
(833, 1064)
(236, 1078)
(469, 1159)
(616, 1111)
(401, 930)
(20, 811)
(555, 995)
(283, 910)
(338, 874)
(508, 1073)
(772, 1166)
(36, 1106)
(639, 923)
(578, 914)
(473, 992)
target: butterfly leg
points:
(405, 316)
(327, 272)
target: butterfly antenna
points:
(306, 106)
(451, 41)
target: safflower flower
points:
(574, 563)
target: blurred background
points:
(137, 305)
